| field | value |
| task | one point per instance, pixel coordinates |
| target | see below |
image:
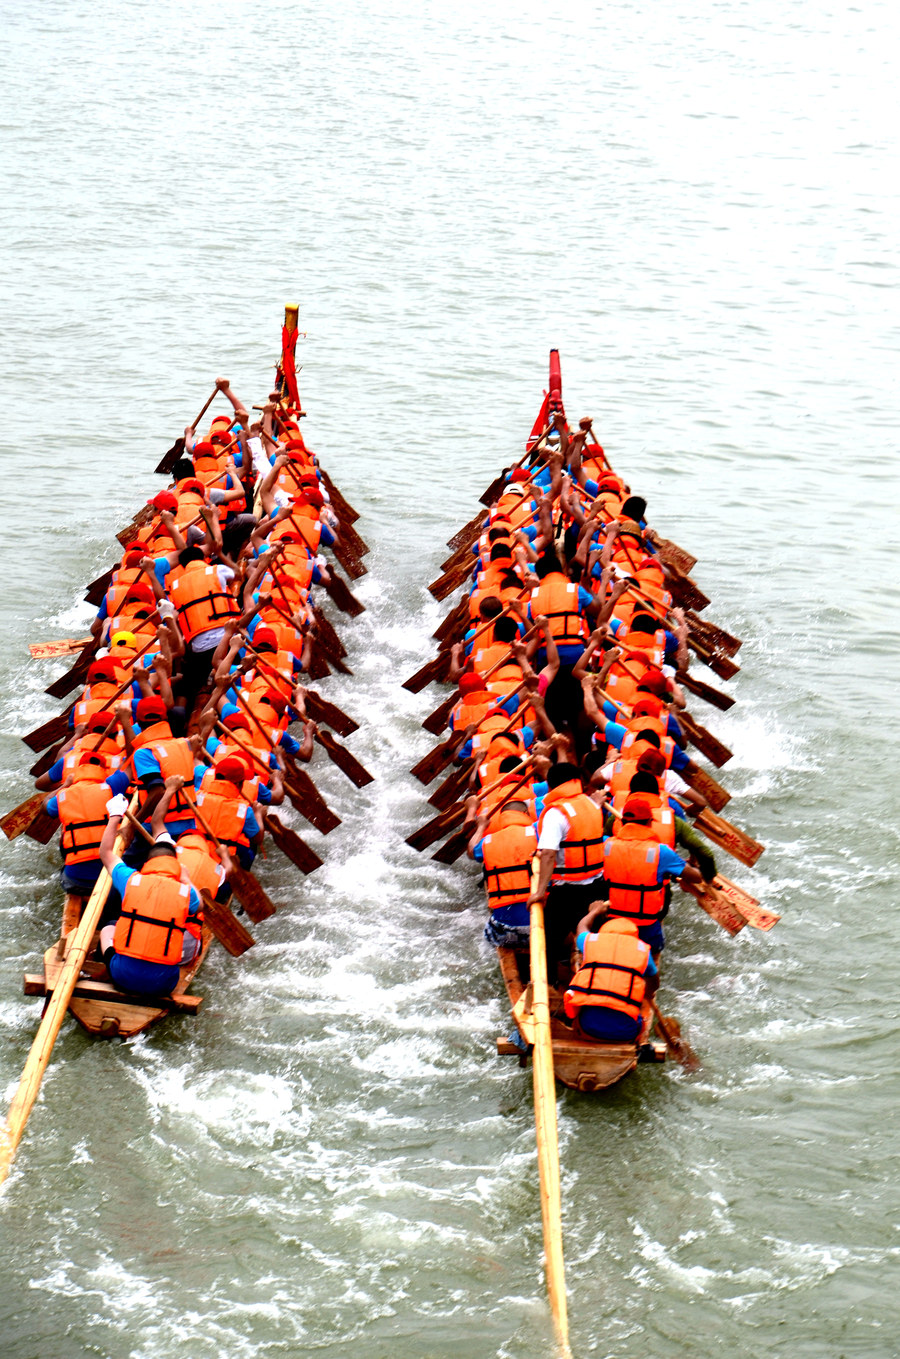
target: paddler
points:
(616, 972)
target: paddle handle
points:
(205, 409)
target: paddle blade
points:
(729, 837)
(51, 732)
(435, 670)
(291, 845)
(722, 666)
(756, 915)
(436, 828)
(449, 581)
(320, 710)
(345, 761)
(308, 801)
(437, 721)
(468, 533)
(342, 508)
(704, 783)
(352, 541)
(75, 675)
(16, 822)
(229, 931)
(452, 625)
(48, 758)
(706, 691)
(255, 901)
(97, 589)
(450, 851)
(67, 646)
(713, 637)
(717, 753)
(431, 764)
(685, 594)
(326, 632)
(318, 667)
(43, 828)
(494, 490)
(340, 592)
(453, 787)
(722, 911)
(350, 564)
(169, 459)
(680, 1049)
(672, 555)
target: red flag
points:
(288, 368)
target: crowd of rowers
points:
(569, 702)
(209, 599)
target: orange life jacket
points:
(508, 852)
(154, 913)
(82, 815)
(175, 756)
(633, 749)
(612, 975)
(190, 503)
(198, 860)
(505, 595)
(224, 813)
(652, 644)
(582, 849)
(663, 817)
(209, 782)
(486, 656)
(110, 752)
(119, 588)
(631, 861)
(200, 602)
(290, 639)
(557, 600)
(465, 710)
(489, 728)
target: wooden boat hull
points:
(100, 1007)
(577, 1062)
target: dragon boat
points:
(279, 479)
(581, 1062)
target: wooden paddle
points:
(441, 825)
(446, 631)
(79, 942)
(227, 929)
(452, 788)
(469, 532)
(436, 722)
(320, 710)
(342, 508)
(728, 837)
(350, 564)
(254, 899)
(438, 669)
(431, 765)
(345, 761)
(301, 790)
(450, 851)
(545, 1124)
(704, 783)
(451, 580)
(497, 486)
(714, 637)
(169, 459)
(96, 591)
(327, 633)
(673, 555)
(705, 691)
(680, 1049)
(717, 753)
(67, 646)
(291, 845)
(340, 592)
(16, 822)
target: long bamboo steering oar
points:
(545, 1126)
(30, 1080)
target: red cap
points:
(231, 768)
(278, 701)
(237, 722)
(164, 500)
(99, 721)
(104, 669)
(609, 483)
(139, 593)
(205, 449)
(150, 708)
(265, 637)
(295, 441)
(655, 681)
(309, 496)
(133, 557)
(470, 683)
(192, 484)
(290, 535)
(519, 475)
(652, 762)
(638, 809)
(648, 707)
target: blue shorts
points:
(653, 935)
(506, 936)
(608, 1026)
(147, 979)
(80, 883)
